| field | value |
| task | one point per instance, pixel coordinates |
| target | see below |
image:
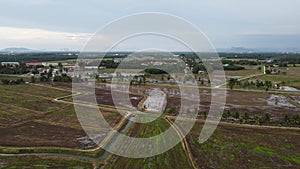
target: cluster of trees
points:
(138, 80)
(170, 111)
(294, 120)
(12, 82)
(13, 69)
(59, 76)
(102, 80)
(43, 57)
(258, 84)
(111, 64)
(240, 62)
(202, 81)
(234, 67)
(245, 118)
(62, 78)
(155, 71)
(46, 76)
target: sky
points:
(59, 24)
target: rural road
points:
(184, 143)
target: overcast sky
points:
(57, 24)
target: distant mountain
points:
(16, 50)
(259, 50)
(238, 50)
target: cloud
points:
(12, 33)
(39, 38)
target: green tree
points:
(32, 79)
(236, 115)
(286, 119)
(296, 119)
(246, 116)
(257, 119)
(170, 111)
(231, 83)
(267, 118)
(60, 67)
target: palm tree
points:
(246, 116)
(32, 79)
(267, 117)
(237, 115)
(296, 119)
(286, 119)
(231, 83)
(257, 119)
(60, 66)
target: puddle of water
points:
(279, 101)
(287, 88)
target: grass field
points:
(246, 147)
(25, 78)
(292, 77)
(28, 101)
(36, 90)
(171, 159)
(39, 162)
(249, 70)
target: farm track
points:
(184, 143)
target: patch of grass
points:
(291, 78)
(246, 147)
(29, 102)
(35, 90)
(293, 159)
(265, 150)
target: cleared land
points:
(30, 117)
(30, 113)
(233, 146)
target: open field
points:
(59, 129)
(14, 77)
(31, 102)
(38, 162)
(30, 113)
(165, 160)
(14, 115)
(234, 146)
(38, 120)
(40, 91)
(291, 78)
(250, 102)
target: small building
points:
(10, 63)
(91, 67)
(34, 64)
(71, 68)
